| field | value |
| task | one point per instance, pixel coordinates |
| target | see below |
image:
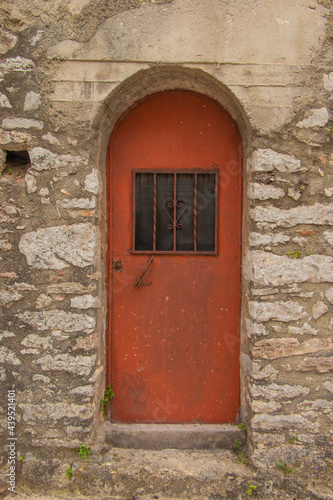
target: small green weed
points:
(10, 171)
(283, 467)
(108, 395)
(242, 459)
(21, 459)
(295, 254)
(83, 450)
(69, 472)
(294, 440)
(331, 130)
(238, 445)
(242, 426)
(116, 458)
(251, 489)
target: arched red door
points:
(175, 236)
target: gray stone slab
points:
(173, 436)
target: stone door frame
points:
(120, 100)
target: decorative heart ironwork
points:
(168, 204)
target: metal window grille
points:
(175, 212)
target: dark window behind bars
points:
(175, 212)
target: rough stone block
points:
(268, 239)
(87, 343)
(287, 422)
(256, 371)
(9, 296)
(43, 301)
(32, 101)
(255, 328)
(328, 386)
(7, 41)
(281, 311)
(84, 390)
(328, 235)
(44, 159)
(319, 309)
(54, 411)
(265, 268)
(276, 391)
(4, 101)
(266, 160)
(8, 356)
(69, 287)
(12, 123)
(58, 320)
(6, 334)
(77, 365)
(318, 364)
(264, 407)
(328, 81)
(57, 247)
(314, 118)
(15, 138)
(273, 455)
(329, 295)
(285, 347)
(322, 405)
(5, 246)
(85, 302)
(306, 329)
(258, 191)
(92, 183)
(41, 378)
(51, 139)
(85, 203)
(18, 63)
(304, 214)
(33, 340)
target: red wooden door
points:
(175, 341)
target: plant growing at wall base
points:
(83, 450)
(283, 467)
(251, 489)
(242, 459)
(69, 472)
(242, 426)
(238, 445)
(108, 395)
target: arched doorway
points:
(175, 234)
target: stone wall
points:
(68, 71)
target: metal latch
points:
(139, 282)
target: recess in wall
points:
(16, 163)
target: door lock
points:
(118, 266)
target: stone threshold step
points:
(173, 436)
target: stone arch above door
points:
(159, 79)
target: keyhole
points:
(118, 265)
